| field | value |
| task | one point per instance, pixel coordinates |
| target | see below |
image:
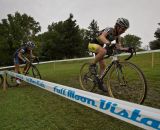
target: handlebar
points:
(32, 60)
(111, 51)
(131, 54)
(36, 59)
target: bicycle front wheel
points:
(11, 81)
(86, 79)
(127, 82)
(36, 73)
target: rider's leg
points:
(102, 66)
(99, 50)
(25, 68)
(17, 69)
(99, 54)
(16, 64)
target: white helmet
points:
(30, 44)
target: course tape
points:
(77, 59)
(1, 72)
(139, 115)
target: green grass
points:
(30, 108)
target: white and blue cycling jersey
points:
(23, 50)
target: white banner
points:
(139, 115)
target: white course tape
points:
(77, 59)
(1, 72)
(139, 115)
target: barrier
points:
(139, 115)
(1, 72)
(86, 58)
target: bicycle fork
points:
(120, 75)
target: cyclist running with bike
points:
(100, 44)
(20, 57)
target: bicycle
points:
(124, 79)
(11, 81)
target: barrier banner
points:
(139, 115)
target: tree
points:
(132, 41)
(13, 30)
(84, 35)
(89, 34)
(93, 30)
(157, 34)
(63, 40)
(155, 44)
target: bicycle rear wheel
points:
(127, 82)
(86, 79)
(36, 73)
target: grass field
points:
(30, 108)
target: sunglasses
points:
(123, 28)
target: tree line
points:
(62, 40)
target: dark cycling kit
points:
(93, 45)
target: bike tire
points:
(127, 82)
(86, 79)
(11, 81)
(1, 80)
(36, 73)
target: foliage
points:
(157, 34)
(63, 40)
(155, 44)
(90, 34)
(92, 31)
(132, 41)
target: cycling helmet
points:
(122, 22)
(30, 44)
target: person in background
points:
(20, 57)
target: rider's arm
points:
(119, 44)
(20, 55)
(102, 38)
(31, 54)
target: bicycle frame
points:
(28, 67)
(114, 61)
